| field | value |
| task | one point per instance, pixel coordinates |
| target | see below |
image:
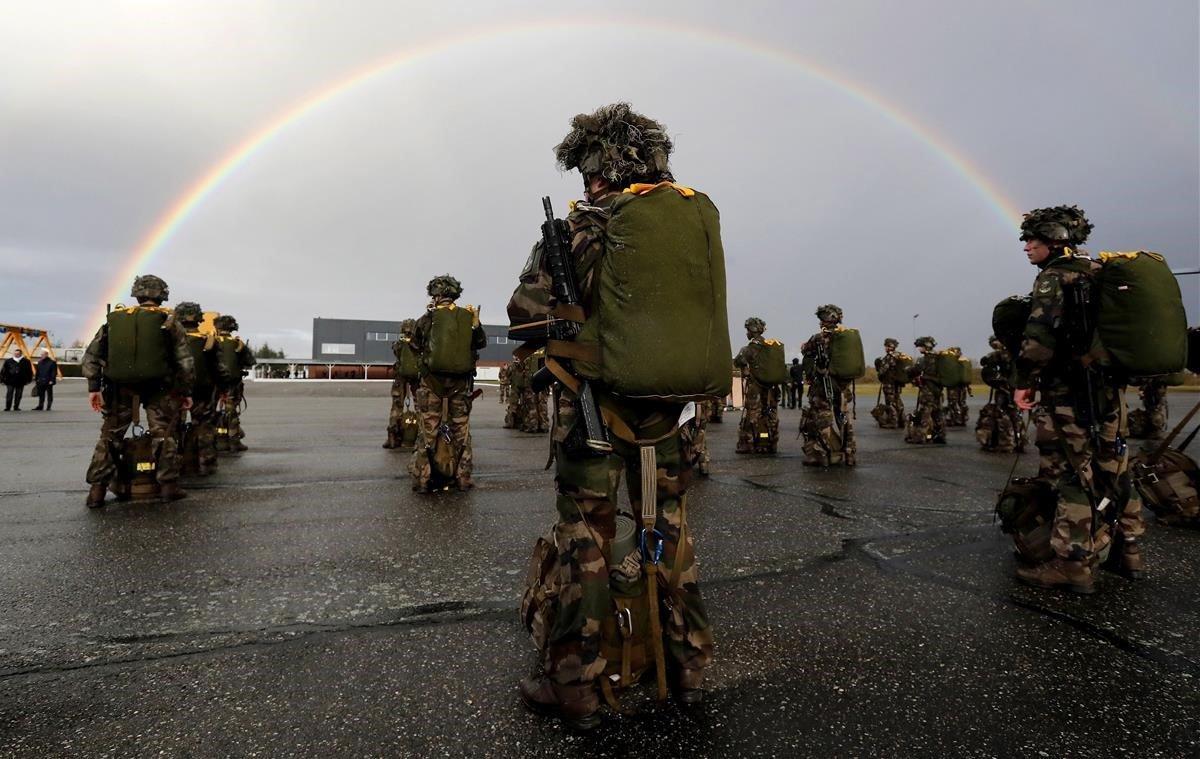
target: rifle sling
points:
(573, 350)
(615, 424)
(1166, 443)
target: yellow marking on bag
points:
(145, 466)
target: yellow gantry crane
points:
(14, 337)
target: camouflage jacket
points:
(924, 369)
(814, 366)
(1046, 351)
(745, 356)
(184, 373)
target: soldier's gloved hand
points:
(1024, 399)
(186, 402)
(97, 401)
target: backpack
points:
(202, 346)
(658, 326)
(947, 369)
(1026, 511)
(408, 365)
(449, 345)
(966, 372)
(1141, 324)
(229, 357)
(846, 358)
(136, 458)
(1009, 318)
(768, 364)
(138, 345)
(1169, 480)
(410, 428)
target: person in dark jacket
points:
(16, 373)
(46, 377)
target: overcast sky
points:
(110, 111)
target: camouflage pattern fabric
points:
(587, 488)
(1150, 421)
(1000, 428)
(824, 443)
(716, 413)
(429, 395)
(233, 411)
(534, 413)
(204, 422)
(956, 413)
(505, 385)
(891, 409)
(760, 413)
(402, 391)
(926, 424)
(161, 418)
(693, 440)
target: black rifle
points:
(823, 362)
(1082, 337)
(556, 248)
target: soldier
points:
(406, 373)
(716, 411)
(236, 360)
(694, 440)
(448, 339)
(758, 431)
(505, 383)
(623, 158)
(140, 355)
(888, 367)
(207, 367)
(926, 424)
(795, 384)
(518, 380)
(956, 412)
(1089, 469)
(1150, 421)
(534, 417)
(1005, 433)
(827, 422)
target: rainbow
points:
(214, 177)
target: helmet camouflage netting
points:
(1061, 224)
(151, 287)
(754, 324)
(189, 311)
(829, 313)
(618, 144)
(444, 286)
(408, 326)
(925, 342)
(891, 342)
(225, 323)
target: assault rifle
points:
(556, 248)
(835, 402)
(1080, 312)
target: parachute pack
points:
(846, 358)
(229, 357)
(201, 346)
(659, 326)
(408, 365)
(768, 366)
(450, 334)
(138, 347)
(948, 370)
(1169, 479)
(898, 373)
(966, 371)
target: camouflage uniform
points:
(162, 399)
(1008, 433)
(693, 440)
(518, 380)
(828, 432)
(404, 387)
(760, 403)
(204, 396)
(436, 388)
(1150, 421)
(535, 417)
(926, 424)
(891, 410)
(716, 413)
(505, 384)
(234, 387)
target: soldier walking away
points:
(406, 373)
(236, 359)
(795, 384)
(46, 377)
(16, 373)
(600, 608)
(1000, 428)
(827, 423)
(693, 440)
(207, 378)
(140, 355)
(518, 381)
(892, 370)
(1150, 421)
(534, 417)
(763, 371)
(505, 383)
(448, 338)
(957, 413)
(926, 424)
(1080, 415)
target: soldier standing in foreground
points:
(926, 424)
(140, 355)
(1085, 468)
(667, 344)
(236, 360)
(406, 373)
(448, 339)
(827, 426)
(758, 431)
(204, 388)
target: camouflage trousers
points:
(926, 425)
(716, 411)
(693, 440)
(456, 392)
(1077, 467)
(1150, 421)
(758, 431)
(504, 391)
(402, 390)
(534, 415)
(587, 508)
(824, 443)
(234, 409)
(957, 413)
(512, 410)
(1000, 428)
(891, 406)
(204, 422)
(162, 413)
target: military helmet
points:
(444, 286)
(225, 323)
(150, 287)
(891, 342)
(925, 342)
(1065, 225)
(408, 326)
(995, 341)
(756, 325)
(188, 311)
(618, 144)
(829, 313)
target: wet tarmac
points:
(304, 602)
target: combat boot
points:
(689, 687)
(170, 491)
(1075, 576)
(391, 440)
(95, 497)
(575, 705)
(240, 447)
(1125, 559)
